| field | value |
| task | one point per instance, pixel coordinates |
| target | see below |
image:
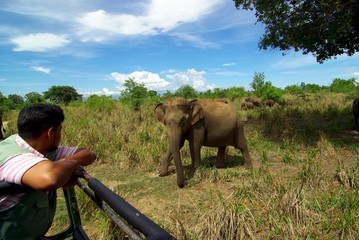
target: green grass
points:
(304, 184)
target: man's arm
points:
(47, 175)
(82, 156)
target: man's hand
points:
(71, 183)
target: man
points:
(33, 158)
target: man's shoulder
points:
(10, 147)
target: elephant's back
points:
(218, 110)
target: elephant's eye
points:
(164, 122)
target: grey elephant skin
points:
(204, 122)
(356, 112)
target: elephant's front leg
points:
(195, 149)
(166, 159)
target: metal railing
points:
(131, 221)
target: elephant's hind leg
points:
(243, 147)
(220, 157)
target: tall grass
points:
(304, 184)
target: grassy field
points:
(304, 185)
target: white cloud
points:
(195, 40)
(39, 42)
(49, 10)
(191, 77)
(356, 76)
(159, 16)
(229, 64)
(106, 90)
(41, 69)
(152, 81)
(103, 92)
(168, 71)
(296, 62)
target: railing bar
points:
(110, 213)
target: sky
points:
(95, 45)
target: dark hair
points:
(37, 118)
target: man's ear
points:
(50, 132)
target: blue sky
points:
(95, 45)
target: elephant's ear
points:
(160, 112)
(196, 111)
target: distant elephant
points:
(2, 129)
(255, 100)
(247, 105)
(203, 123)
(269, 102)
(356, 112)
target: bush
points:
(265, 90)
(103, 103)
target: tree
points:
(134, 93)
(293, 89)
(325, 28)
(34, 97)
(344, 86)
(3, 104)
(16, 101)
(167, 94)
(6, 104)
(235, 92)
(101, 103)
(265, 90)
(258, 82)
(62, 94)
(311, 88)
(186, 91)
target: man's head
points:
(35, 119)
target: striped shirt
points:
(14, 167)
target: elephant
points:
(202, 122)
(247, 105)
(255, 100)
(2, 129)
(356, 112)
(219, 100)
(269, 102)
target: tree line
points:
(135, 94)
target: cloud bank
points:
(157, 17)
(170, 82)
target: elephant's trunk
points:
(175, 146)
